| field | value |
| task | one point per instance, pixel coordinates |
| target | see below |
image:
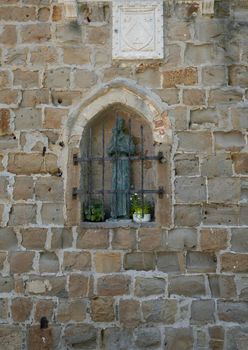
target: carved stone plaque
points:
(138, 29)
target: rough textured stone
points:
(4, 194)
(80, 286)
(77, 261)
(190, 189)
(4, 119)
(194, 97)
(192, 286)
(49, 263)
(23, 188)
(22, 214)
(35, 33)
(214, 75)
(84, 79)
(180, 239)
(146, 286)
(123, 239)
(49, 189)
(232, 311)
(187, 215)
(52, 213)
(150, 239)
(113, 285)
(240, 163)
(61, 238)
(190, 141)
(83, 335)
(102, 309)
(32, 163)
(21, 262)
(159, 310)
(229, 141)
(224, 190)
(202, 312)
(170, 262)
(21, 309)
(239, 241)
(186, 165)
(213, 239)
(217, 165)
(54, 118)
(107, 262)
(74, 310)
(55, 78)
(187, 76)
(37, 337)
(201, 262)
(179, 338)
(234, 262)
(44, 308)
(216, 214)
(147, 337)
(130, 313)
(34, 238)
(116, 338)
(92, 239)
(222, 286)
(139, 261)
(11, 337)
(224, 97)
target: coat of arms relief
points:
(138, 29)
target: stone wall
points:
(182, 285)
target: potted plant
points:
(94, 212)
(140, 211)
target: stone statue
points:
(121, 145)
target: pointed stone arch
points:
(130, 95)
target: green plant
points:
(94, 212)
(137, 205)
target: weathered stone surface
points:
(21, 262)
(192, 286)
(48, 263)
(202, 312)
(146, 286)
(149, 337)
(191, 140)
(97, 35)
(17, 14)
(187, 76)
(240, 163)
(238, 75)
(21, 309)
(43, 54)
(92, 239)
(26, 78)
(187, 215)
(236, 336)
(52, 213)
(44, 308)
(33, 98)
(28, 119)
(3, 256)
(54, 118)
(213, 239)
(222, 286)
(22, 214)
(82, 335)
(111, 285)
(186, 165)
(65, 98)
(16, 56)
(23, 188)
(230, 141)
(84, 79)
(4, 119)
(194, 97)
(77, 55)
(34, 238)
(150, 239)
(139, 261)
(9, 97)
(4, 309)
(107, 262)
(117, 338)
(74, 310)
(61, 238)
(190, 189)
(170, 262)
(123, 239)
(214, 75)
(224, 190)
(232, 311)
(130, 313)
(180, 239)
(37, 337)
(239, 120)
(199, 54)
(218, 96)
(217, 165)
(35, 33)
(6, 284)
(239, 241)
(201, 262)
(11, 337)
(49, 189)
(55, 78)
(179, 338)
(159, 310)
(102, 309)
(77, 261)
(234, 262)
(216, 214)
(4, 182)
(8, 35)
(80, 286)
(32, 163)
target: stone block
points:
(214, 75)
(186, 76)
(186, 285)
(202, 312)
(240, 163)
(150, 239)
(43, 14)
(146, 286)
(80, 286)
(139, 261)
(179, 338)
(125, 72)
(237, 263)
(112, 285)
(98, 35)
(17, 14)
(21, 309)
(206, 117)
(9, 97)
(21, 262)
(26, 79)
(238, 75)
(1, 162)
(239, 241)
(44, 308)
(57, 13)
(68, 33)
(209, 29)
(23, 188)
(186, 165)
(49, 263)
(160, 310)
(4, 120)
(117, 338)
(199, 54)
(216, 214)
(35, 33)
(213, 239)
(235, 336)
(3, 256)
(150, 77)
(102, 309)
(130, 313)
(201, 262)
(229, 141)
(41, 55)
(222, 286)
(80, 335)
(187, 215)
(107, 262)
(227, 96)
(52, 213)
(239, 118)
(65, 98)
(49, 189)
(61, 238)
(71, 310)
(173, 57)
(57, 78)
(77, 261)
(179, 30)
(22, 214)
(8, 35)
(190, 189)
(4, 183)
(34, 238)
(229, 311)
(54, 118)
(149, 337)
(33, 98)
(190, 141)
(170, 262)
(41, 338)
(1, 213)
(224, 190)
(4, 309)
(11, 337)
(194, 97)
(84, 79)
(16, 56)
(92, 239)
(181, 239)
(123, 239)
(47, 285)
(244, 190)
(8, 142)
(28, 119)
(217, 165)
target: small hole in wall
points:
(60, 101)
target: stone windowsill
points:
(117, 224)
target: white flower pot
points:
(138, 218)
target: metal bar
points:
(142, 167)
(129, 167)
(90, 166)
(76, 191)
(116, 170)
(103, 163)
(159, 157)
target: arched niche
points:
(130, 101)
